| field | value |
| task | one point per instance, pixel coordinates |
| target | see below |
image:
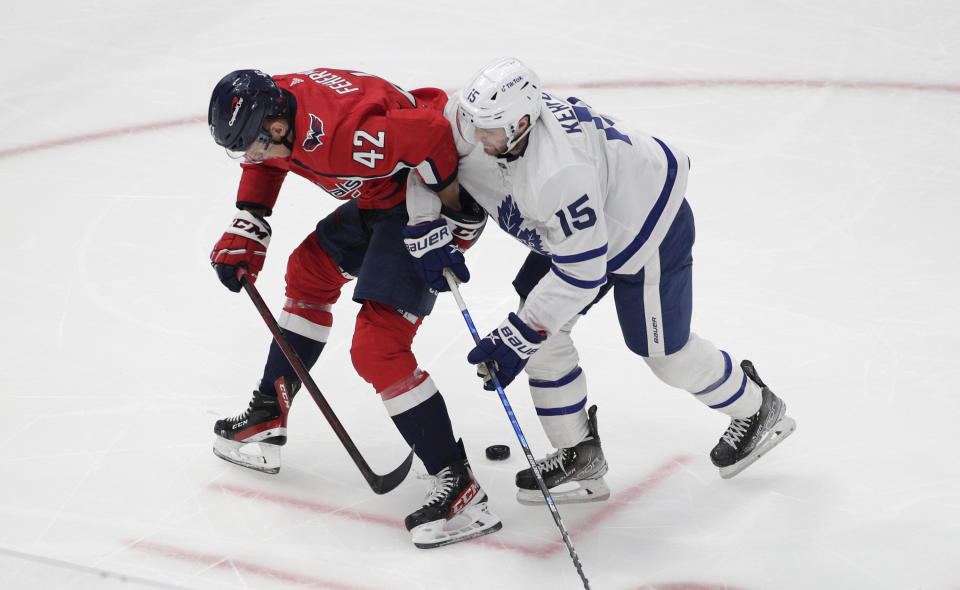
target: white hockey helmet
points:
(501, 94)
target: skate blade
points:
(780, 431)
(469, 523)
(238, 453)
(587, 490)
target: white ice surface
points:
(827, 209)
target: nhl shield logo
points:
(312, 141)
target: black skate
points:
(262, 427)
(455, 509)
(748, 439)
(572, 475)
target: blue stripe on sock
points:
(735, 397)
(569, 377)
(727, 370)
(562, 411)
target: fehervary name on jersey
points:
(334, 82)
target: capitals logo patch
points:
(312, 140)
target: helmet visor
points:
(495, 137)
(256, 151)
(466, 124)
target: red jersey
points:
(357, 137)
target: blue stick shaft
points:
(452, 282)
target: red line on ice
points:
(604, 512)
(309, 505)
(348, 513)
(621, 499)
(223, 562)
(107, 134)
(870, 85)
(761, 83)
(608, 509)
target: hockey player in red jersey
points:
(357, 137)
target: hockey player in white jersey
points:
(602, 208)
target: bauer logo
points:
(435, 238)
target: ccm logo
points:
(250, 228)
(284, 395)
(465, 233)
(465, 498)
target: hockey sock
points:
(277, 365)
(711, 375)
(733, 393)
(560, 406)
(426, 427)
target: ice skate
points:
(455, 509)
(748, 439)
(253, 439)
(572, 475)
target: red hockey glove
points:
(244, 244)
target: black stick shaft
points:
(380, 484)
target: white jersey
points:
(594, 195)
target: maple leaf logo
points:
(510, 219)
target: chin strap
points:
(508, 155)
(513, 142)
(286, 140)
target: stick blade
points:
(381, 484)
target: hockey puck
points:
(498, 452)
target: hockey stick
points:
(380, 484)
(516, 428)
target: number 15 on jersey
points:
(580, 217)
